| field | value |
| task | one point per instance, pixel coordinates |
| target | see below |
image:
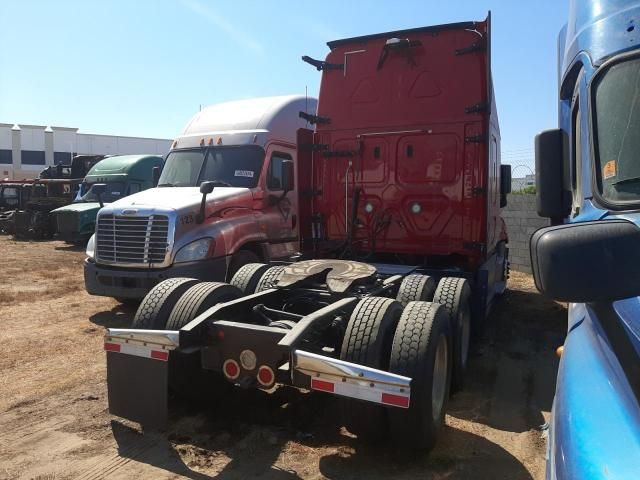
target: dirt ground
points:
(54, 422)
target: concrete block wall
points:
(522, 220)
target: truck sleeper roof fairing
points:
(383, 81)
(136, 166)
(433, 29)
(406, 149)
(252, 121)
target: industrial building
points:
(26, 150)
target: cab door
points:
(281, 209)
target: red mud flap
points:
(137, 374)
(352, 380)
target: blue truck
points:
(588, 184)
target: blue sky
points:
(144, 67)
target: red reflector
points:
(231, 369)
(265, 376)
(322, 385)
(397, 400)
(111, 347)
(160, 355)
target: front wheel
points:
(422, 351)
(238, 260)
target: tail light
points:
(231, 369)
(266, 377)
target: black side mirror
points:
(505, 179)
(98, 189)
(587, 262)
(205, 189)
(553, 200)
(287, 176)
(505, 184)
(155, 175)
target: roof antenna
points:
(306, 103)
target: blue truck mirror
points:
(587, 262)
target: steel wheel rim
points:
(465, 334)
(439, 386)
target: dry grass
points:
(54, 421)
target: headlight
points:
(91, 247)
(194, 251)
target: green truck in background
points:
(122, 175)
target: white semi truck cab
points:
(226, 197)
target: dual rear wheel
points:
(427, 341)
(455, 295)
(414, 342)
(171, 305)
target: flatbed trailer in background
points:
(402, 250)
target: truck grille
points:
(124, 239)
(67, 222)
(22, 219)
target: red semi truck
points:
(402, 250)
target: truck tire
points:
(421, 350)
(128, 302)
(269, 278)
(416, 288)
(455, 295)
(248, 276)
(153, 312)
(367, 341)
(238, 260)
(197, 299)
(503, 250)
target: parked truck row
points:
(42, 208)
(353, 244)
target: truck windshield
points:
(113, 192)
(617, 133)
(235, 166)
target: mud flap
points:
(138, 389)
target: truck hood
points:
(181, 198)
(79, 207)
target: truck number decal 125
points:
(186, 219)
